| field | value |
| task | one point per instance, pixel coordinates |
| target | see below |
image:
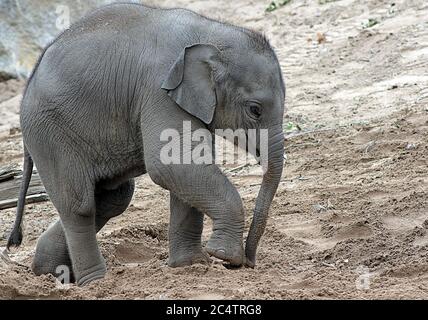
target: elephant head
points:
(236, 86)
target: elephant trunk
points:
(271, 179)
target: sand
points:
(350, 218)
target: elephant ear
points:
(190, 81)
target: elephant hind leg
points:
(51, 256)
(111, 203)
(52, 252)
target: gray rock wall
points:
(27, 26)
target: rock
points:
(27, 26)
(4, 76)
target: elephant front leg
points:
(185, 230)
(205, 188)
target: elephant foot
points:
(51, 256)
(229, 250)
(182, 259)
(95, 273)
(60, 267)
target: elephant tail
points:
(15, 237)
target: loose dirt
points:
(350, 218)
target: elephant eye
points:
(255, 111)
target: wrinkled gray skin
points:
(92, 116)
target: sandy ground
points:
(350, 218)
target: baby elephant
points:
(94, 111)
